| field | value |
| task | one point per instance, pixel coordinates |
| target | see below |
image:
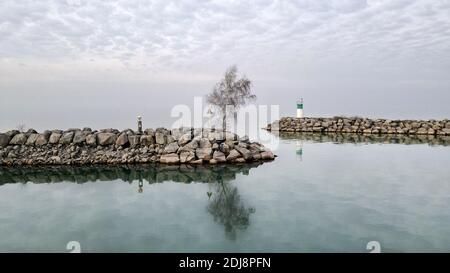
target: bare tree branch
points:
(231, 91)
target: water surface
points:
(324, 193)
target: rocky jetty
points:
(360, 125)
(111, 146)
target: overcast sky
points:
(76, 61)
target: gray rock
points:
(204, 143)
(109, 130)
(213, 161)
(170, 139)
(160, 138)
(203, 153)
(196, 162)
(30, 131)
(149, 131)
(170, 159)
(239, 160)
(422, 131)
(122, 140)
(32, 139)
(184, 139)
(224, 148)
(135, 140)
(4, 140)
(66, 138)
(233, 155)
(217, 136)
(219, 157)
(171, 148)
(18, 139)
(105, 139)
(12, 133)
(187, 156)
(42, 139)
(267, 155)
(244, 152)
(91, 140)
(80, 137)
(230, 136)
(147, 140)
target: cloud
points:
(191, 33)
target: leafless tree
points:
(231, 91)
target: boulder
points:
(122, 140)
(149, 132)
(224, 148)
(171, 148)
(246, 154)
(80, 137)
(4, 140)
(30, 132)
(219, 157)
(147, 140)
(18, 139)
(66, 138)
(32, 139)
(233, 155)
(91, 140)
(170, 139)
(12, 133)
(169, 159)
(422, 131)
(213, 161)
(160, 138)
(239, 160)
(204, 143)
(184, 139)
(197, 162)
(187, 156)
(106, 138)
(135, 140)
(42, 139)
(267, 155)
(203, 153)
(230, 136)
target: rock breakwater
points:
(111, 146)
(360, 125)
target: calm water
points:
(322, 194)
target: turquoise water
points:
(322, 194)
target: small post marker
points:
(139, 118)
(300, 108)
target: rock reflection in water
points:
(368, 138)
(127, 173)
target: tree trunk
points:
(235, 121)
(224, 120)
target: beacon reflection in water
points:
(299, 149)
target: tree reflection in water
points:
(228, 209)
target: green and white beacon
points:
(300, 108)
